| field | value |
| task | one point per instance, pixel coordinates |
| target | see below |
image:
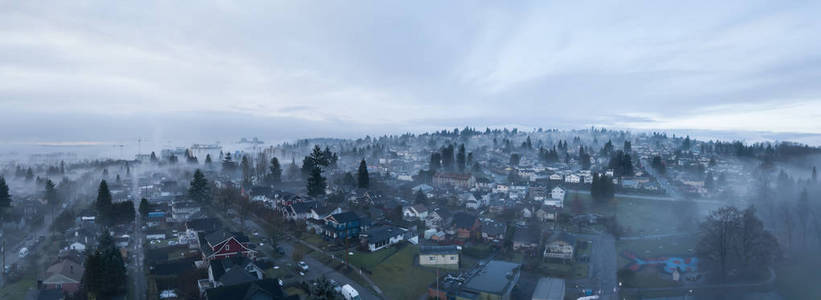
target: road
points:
(662, 180)
(603, 264)
(654, 198)
(136, 269)
(316, 268)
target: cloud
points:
(397, 66)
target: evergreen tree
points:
(208, 159)
(247, 170)
(51, 194)
(602, 188)
(814, 175)
(461, 159)
(316, 183)
(144, 207)
(420, 198)
(29, 174)
(199, 190)
(103, 203)
(276, 171)
(363, 180)
(5, 197)
(228, 164)
(435, 161)
(628, 147)
(293, 170)
(154, 157)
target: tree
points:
(5, 197)
(316, 183)
(208, 159)
(228, 164)
(144, 207)
(461, 158)
(363, 181)
(803, 210)
(29, 174)
(658, 164)
(275, 171)
(621, 164)
(154, 157)
(105, 272)
(814, 175)
(51, 194)
(515, 159)
(734, 245)
(602, 188)
(584, 158)
(420, 198)
(199, 190)
(322, 289)
(293, 170)
(247, 170)
(435, 161)
(103, 203)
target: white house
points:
(418, 211)
(439, 256)
(555, 177)
(556, 198)
(572, 178)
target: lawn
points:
(19, 289)
(638, 216)
(400, 278)
(369, 260)
(792, 277)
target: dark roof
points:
(383, 233)
(528, 235)
(260, 190)
(236, 276)
(463, 220)
(562, 236)
(50, 294)
(493, 228)
(323, 211)
(303, 207)
(345, 217)
(259, 289)
(494, 278)
(220, 235)
(203, 224)
(174, 267)
(451, 249)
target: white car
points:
(302, 265)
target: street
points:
(603, 266)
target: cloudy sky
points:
(108, 70)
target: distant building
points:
(439, 256)
(459, 180)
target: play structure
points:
(668, 264)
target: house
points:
(342, 225)
(555, 177)
(299, 210)
(464, 225)
(572, 178)
(458, 180)
(549, 288)
(221, 244)
(526, 238)
(547, 213)
(65, 275)
(233, 270)
(437, 218)
(320, 213)
(494, 281)
(560, 245)
(381, 237)
(493, 231)
(446, 257)
(259, 289)
(556, 198)
(417, 211)
(184, 210)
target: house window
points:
(431, 258)
(453, 258)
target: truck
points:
(349, 293)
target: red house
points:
(65, 275)
(221, 244)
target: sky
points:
(100, 71)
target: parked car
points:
(303, 266)
(349, 293)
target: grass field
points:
(792, 277)
(638, 216)
(400, 278)
(18, 289)
(369, 260)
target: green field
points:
(19, 289)
(792, 277)
(400, 278)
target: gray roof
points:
(497, 277)
(549, 289)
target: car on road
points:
(303, 266)
(23, 252)
(349, 293)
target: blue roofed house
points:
(342, 225)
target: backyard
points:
(400, 278)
